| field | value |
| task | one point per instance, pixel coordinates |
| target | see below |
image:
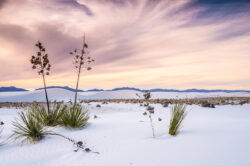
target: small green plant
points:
(51, 118)
(28, 129)
(178, 113)
(75, 117)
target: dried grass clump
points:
(178, 113)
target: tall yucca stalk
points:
(147, 96)
(178, 113)
(81, 60)
(40, 62)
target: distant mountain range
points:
(71, 89)
(62, 87)
(11, 89)
(14, 89)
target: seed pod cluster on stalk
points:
(82, 59)
(40, 62)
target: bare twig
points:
(78, 144)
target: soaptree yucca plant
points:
(53, 118)
(75, 117)
(27, 128)
(178, 113)
(82, 59)
(40, 62)
(150, 110)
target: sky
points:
(177, 44)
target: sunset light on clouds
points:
(177, 44)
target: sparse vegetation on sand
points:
(178, 113)
(27, 128)
(188, 101)
(51, 118)
(75, 117)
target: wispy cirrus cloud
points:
(143, 43)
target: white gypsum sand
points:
(122, 135)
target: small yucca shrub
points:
(52, 118)
(178, 113)
(75, 117)
(27, 128)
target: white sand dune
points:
(65, 95)
(38, 95)
(162, 95)
(122, 135)
(121, 94)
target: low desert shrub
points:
(165, 104)
(75, 117)
(178, 113)
(48, 118)
(27, 128)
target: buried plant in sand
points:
(45, 117)
(75, 117)
(178, 113)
